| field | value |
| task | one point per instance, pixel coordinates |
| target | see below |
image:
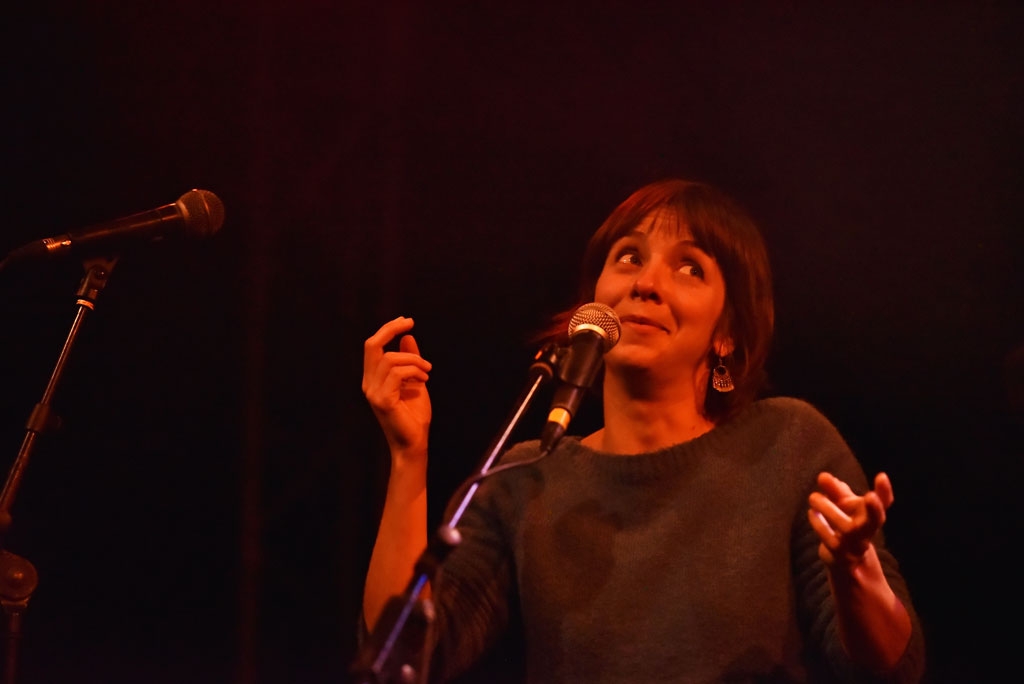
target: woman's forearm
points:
(401, 537)
(873, 623)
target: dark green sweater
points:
(695, 563)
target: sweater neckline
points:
(657, 463)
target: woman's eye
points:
(628, 256)
(692, 269)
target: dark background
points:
(207, 511)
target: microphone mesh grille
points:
(204, 212)
(599, 316)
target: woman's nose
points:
(649, 282)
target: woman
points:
(700, 535)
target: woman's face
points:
(669, 295)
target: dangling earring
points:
(721, 381)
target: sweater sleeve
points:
(823, 446)
(474, 593)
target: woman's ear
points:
(721, 340)
(723, 346)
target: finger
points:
(387, 332)
(828, 549)
(834, 546)
(883, 487)
(820, 525)
(874, 510)
(836, 517)
(408, 345)
(373, 347)
(393, 367)
(852, 531)
(833, 487)
(387, 391)
(409, 353)
(394, 359)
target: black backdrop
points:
(207, 510)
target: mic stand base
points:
(18, 580)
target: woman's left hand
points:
(844, 521)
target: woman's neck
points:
(641, 421)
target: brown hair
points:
(727, 233)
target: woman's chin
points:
(631, 359)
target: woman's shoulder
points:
(521, 452)
(789, 415)
(798, 427)
(788, 406)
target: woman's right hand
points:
(394, 384)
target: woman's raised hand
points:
(394, 384)
(844, 521)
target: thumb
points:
(408, 344)
(883, 487)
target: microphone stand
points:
(399, 649)
(18, 577)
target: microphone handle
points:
(564, 405)
(146, 225)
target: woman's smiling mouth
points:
(641, 323)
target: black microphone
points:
(593, 330)
(196, 214)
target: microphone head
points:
(598, 318)
(202, 211)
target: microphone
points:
(196, 214)
(593, 330)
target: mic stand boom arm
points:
(398, 650)
(18, 577)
